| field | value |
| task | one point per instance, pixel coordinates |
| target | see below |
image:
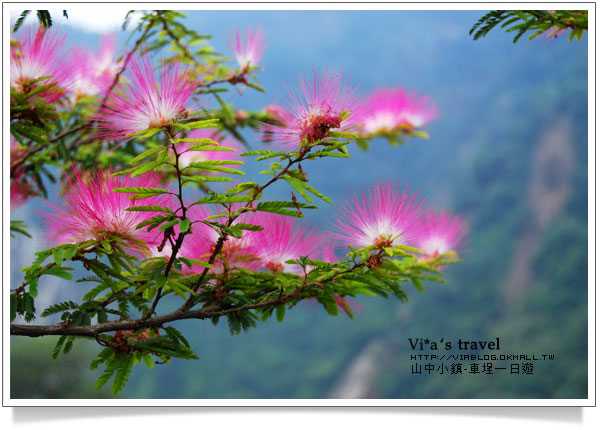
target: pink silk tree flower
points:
(92, 73)
(145, 100)
(85, 82)
(105, 62)
(91, 210)
(440, 233)
(384, 218)
(249, 52)
(186, 157)
(36, 55)
(20, 190)
(315, 108)
(284, 239)
(390, 109)
(236, 252)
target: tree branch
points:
(94, 330)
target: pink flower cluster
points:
(389, 217)
(282, 239)
(322, 103)
(93, 72)
(385, 217)
(391, 109)
(329, 103)
(92, 210)
(35, 55)
(20, 190)
(149, 99)
(80, 72)
(248, 52)
(319, 104)
(146, 100)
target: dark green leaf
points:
(19, 21)
(58, 271)
(58, 347)
(280, 312)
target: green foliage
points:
(536, 21)
(43, 16)
(22, 304)
(130, 348)
(18, 227)
(282, 208)
(124, 281)
(20, 20)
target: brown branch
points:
(19, 289)
(16, 164)
(94, 330)
(178, 244)
(561, 23)
(232, 79)
(67, 132)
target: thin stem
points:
(175, 39)
(21, 160)
(223, 237)
(181, 236)
(125, 62)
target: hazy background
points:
(509, 152)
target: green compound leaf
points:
(59, 272)
(140, 190)
(146, 154)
